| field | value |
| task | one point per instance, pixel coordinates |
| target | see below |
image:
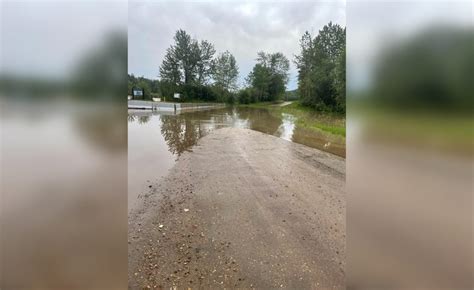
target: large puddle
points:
(155, 140)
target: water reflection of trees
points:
(143, 119)
(260, 120)
(183, 131)
(131, 118)
(179, 133)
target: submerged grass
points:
(306, 117)
(260, 105)
(311, 119)
(449, 132)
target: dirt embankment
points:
(244, 209)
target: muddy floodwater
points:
(156, 139)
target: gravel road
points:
(242, 210)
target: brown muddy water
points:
(63, 195)
(156, 139)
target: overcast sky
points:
(243, 28)
(49, 38)
(374, 26)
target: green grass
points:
(307, 117)
(336, 130)
(260, 105)
(446, 131)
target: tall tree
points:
(186, 52)
(187, 62)
(269, 76)
(278, 65)
(304, 63)
(225, 71)
(321, 68)
(204, 65)
(180, 65)
(259, 80)
(170, 71)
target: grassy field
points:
(307, 117)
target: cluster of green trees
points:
(322, 69)
(191, 68)
(267, 80)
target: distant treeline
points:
(192, 68)
(150, 87)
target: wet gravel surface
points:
(242, 210)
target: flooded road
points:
(156, 140)
(245, 210)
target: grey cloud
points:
(375, 26)
(48, 38)
(243, 28)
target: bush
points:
(198, 93)
(245, 96)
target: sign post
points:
(138, 93)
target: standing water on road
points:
(157, 139)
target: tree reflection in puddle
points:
(182, 131)
(157, 139)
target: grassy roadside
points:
(306, 117)
(260, 105)
(448, 132)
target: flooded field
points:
(155, 140)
